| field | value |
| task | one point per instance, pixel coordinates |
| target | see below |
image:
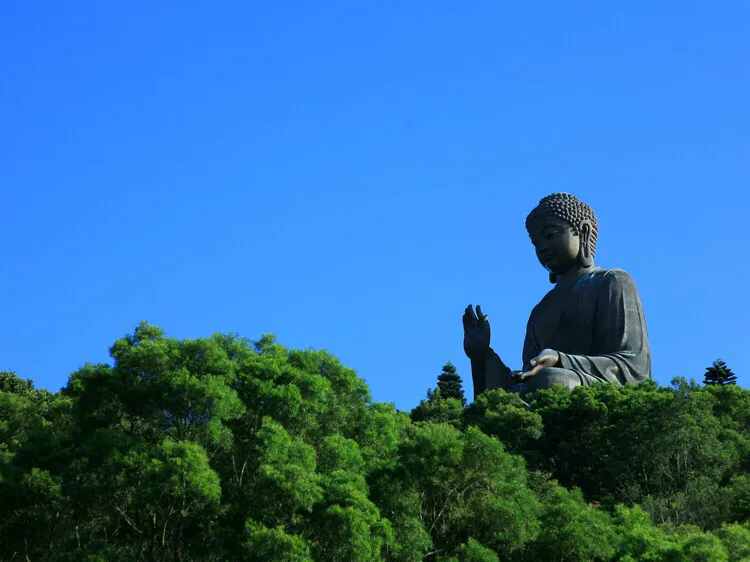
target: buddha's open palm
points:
(476, 333)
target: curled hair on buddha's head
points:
(569, 208)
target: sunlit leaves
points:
(227, 449)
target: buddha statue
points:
(589, 328)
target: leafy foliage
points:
(719, 373)
(229, 449)
(445, 402)
(450, 383)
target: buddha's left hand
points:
(547, 358)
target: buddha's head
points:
(563, 230)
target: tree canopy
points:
(229, 449)
(719, 373)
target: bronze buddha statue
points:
(589, 328)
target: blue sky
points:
(350, 175)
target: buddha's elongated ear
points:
(586, 254)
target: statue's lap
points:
(549, 377)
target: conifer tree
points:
(719, 374)
(445, 402)
(450, 383)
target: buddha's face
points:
(556, 242)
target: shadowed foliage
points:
(719, 373)
(229, 449)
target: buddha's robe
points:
(595, 321)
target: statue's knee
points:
(552, 376)
(547, 378)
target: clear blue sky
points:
(350, 175)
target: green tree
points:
(456, 486)
(699, 546)
(662, 447)
(34, 510)
(450, 383)
(571, 529)
(10, 382)
(719, 374)
(445, 403)
(274, 545)
(438, 409)
(506, 416)
(472, 551)
(225, 448)
(736, 540)
(164, 494)
(639, 539)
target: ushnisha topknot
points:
(569, 208)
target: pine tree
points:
(719, 374)
(445, 402)
(450, 383)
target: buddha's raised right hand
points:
(476, 333)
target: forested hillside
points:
(226, 449)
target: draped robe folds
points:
(595, 322)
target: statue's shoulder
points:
(615, 274)
(617, 277)
(598, 279)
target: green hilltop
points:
(229, 449)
